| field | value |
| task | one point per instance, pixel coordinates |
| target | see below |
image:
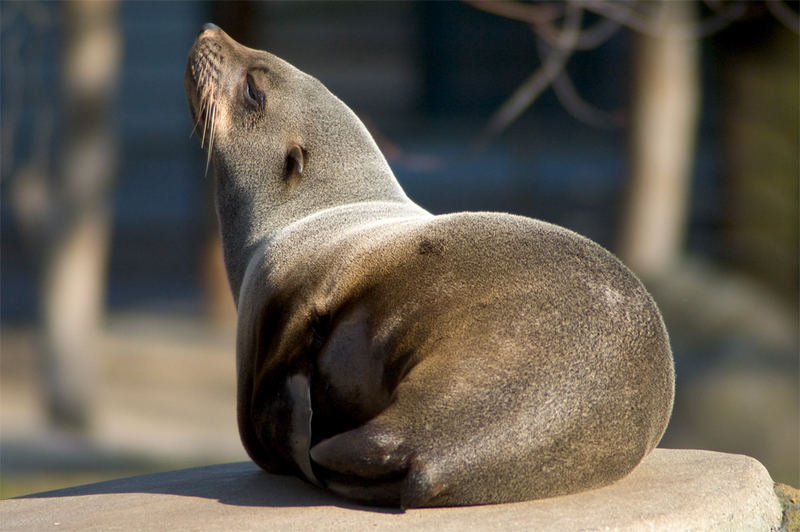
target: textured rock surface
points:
(670, 490)
(790, 500)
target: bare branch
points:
(526, 93)
(598, 34)
(717, 6)
(716, 23)
(542, 17)
(532, 14)
(650, 26)
(621, 14)
(783, 13)
(575, 105)
(587, 39)
(582, 110)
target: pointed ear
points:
(295, 161)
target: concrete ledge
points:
(670, 490)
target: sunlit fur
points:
(397, 357)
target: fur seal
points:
(401, 358)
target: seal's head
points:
(280, 145)
(228, 86)
(278, 141)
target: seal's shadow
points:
(236, 484)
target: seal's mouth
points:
(201, 82)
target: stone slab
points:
(670, 490)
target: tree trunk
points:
(663, 131)
(73, 280)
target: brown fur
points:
(401, 358)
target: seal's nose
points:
(209, 26)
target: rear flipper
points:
(370, 464)
(375, 464)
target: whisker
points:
(196, 124)
(206, 109)
(211, 136)
(206, 79)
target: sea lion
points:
(401, 358)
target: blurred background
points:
(666, 131)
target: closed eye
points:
(253, 96)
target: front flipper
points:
(300, 424)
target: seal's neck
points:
(342, 165)
(249, 222)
